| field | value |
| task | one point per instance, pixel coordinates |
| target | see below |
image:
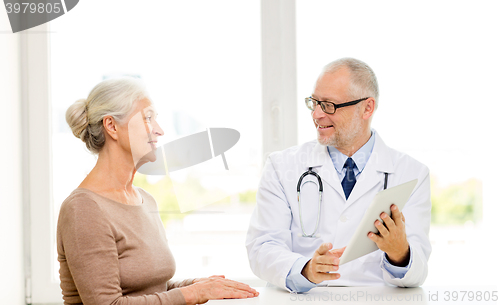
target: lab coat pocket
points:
(369, 264)
(373, 257)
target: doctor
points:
(297, 246)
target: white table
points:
(370, 295)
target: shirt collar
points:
(360, 157)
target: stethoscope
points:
(320, 190)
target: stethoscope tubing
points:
(320, 189)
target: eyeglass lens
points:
(325, 106)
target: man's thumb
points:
(324, 248)
(338, 252)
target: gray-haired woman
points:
(112, 249)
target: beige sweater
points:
(113, 253)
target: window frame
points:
(37, 160)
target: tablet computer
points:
(360, 244)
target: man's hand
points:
(392, 237)
(323, 261)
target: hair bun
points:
(113, 97)
(77, 119)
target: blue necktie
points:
(349, 179)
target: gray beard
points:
(343, 137)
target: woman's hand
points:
(214, 288)
(201, 279)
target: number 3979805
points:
(33, 8)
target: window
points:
(435, 62)
(200, 75)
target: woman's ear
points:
(110, 127)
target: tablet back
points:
(360, 244)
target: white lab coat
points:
(274, 238)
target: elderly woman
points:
(111, 245)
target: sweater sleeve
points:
(179, 284)
(90, 253)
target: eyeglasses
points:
(329, 107)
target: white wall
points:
(11, 212)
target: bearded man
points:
(294, 241)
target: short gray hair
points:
(363, 80)
(112, 97)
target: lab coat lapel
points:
(379, 163)
(320, 158)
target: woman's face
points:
(143, 132)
